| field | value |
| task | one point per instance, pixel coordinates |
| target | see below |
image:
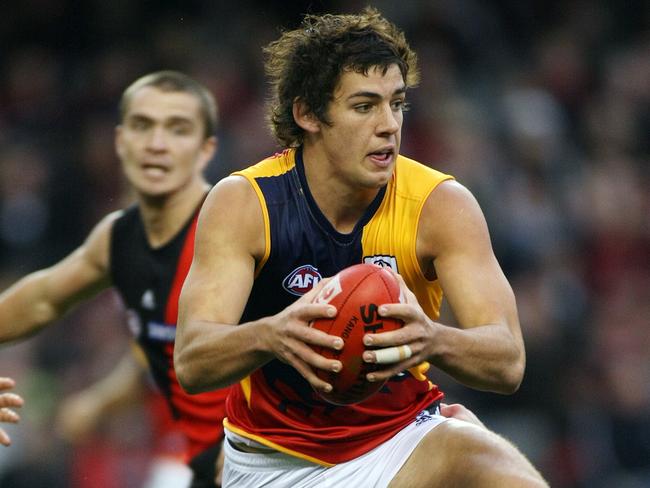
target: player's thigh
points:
(458, 453)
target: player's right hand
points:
(290, 338)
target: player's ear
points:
(208, 150)
(118, 141)
(304, 117)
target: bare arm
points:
(80, 413)
(211, 351)
(43, 296)
(487, 351)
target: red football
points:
(356, 292)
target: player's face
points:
(366, 117)
(161, 141)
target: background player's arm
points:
(487, 351)
(43, 296)
(211, 351)
(80, 413)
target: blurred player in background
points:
(165, 139)
(341, 194)
(8, 401)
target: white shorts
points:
(374, 469)
(169, 473)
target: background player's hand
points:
(417, 334)
(290, 338)
(7, 402)
(219, 466)
(460, 412)
(77, 417)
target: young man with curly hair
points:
(341, 194)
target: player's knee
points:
(479, 457)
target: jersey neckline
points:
(318, 215)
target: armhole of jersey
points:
(267, 222)
(413, 251)
(111, 242)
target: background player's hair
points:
(175, 81)
(307, 63)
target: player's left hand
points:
(7, 402)
(460, 412)
(403, 348)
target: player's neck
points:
(164, 217)
(342, 204)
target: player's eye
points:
(400, 105)
(139, 124)
(363, 107)
(181, 128)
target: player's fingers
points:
(10, 400)
(405, 312)
(312, 311)
(4, 438)
(392, 370)
(298, 352)
(6, 383)
(311, 294)
(317, 337)
(8, 415)
(407, 295)
(315, 360)
(393, 354)
(460, 412)
(388, 339)
(308, 373)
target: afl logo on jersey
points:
(301, 280)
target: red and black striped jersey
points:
(149, 281)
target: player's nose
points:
(157, 140)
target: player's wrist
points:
(260, 339)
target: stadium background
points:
(541, 108)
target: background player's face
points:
(161, 141)
(366, 117)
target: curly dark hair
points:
(307, 63)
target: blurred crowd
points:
(542, 109)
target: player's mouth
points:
(383, 157)
(154, 170)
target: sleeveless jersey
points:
(149, 281)
(275, 405)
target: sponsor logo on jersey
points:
(382, 260)
(330, 290)
(161, 332)
(148, 301)
(301, 280)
